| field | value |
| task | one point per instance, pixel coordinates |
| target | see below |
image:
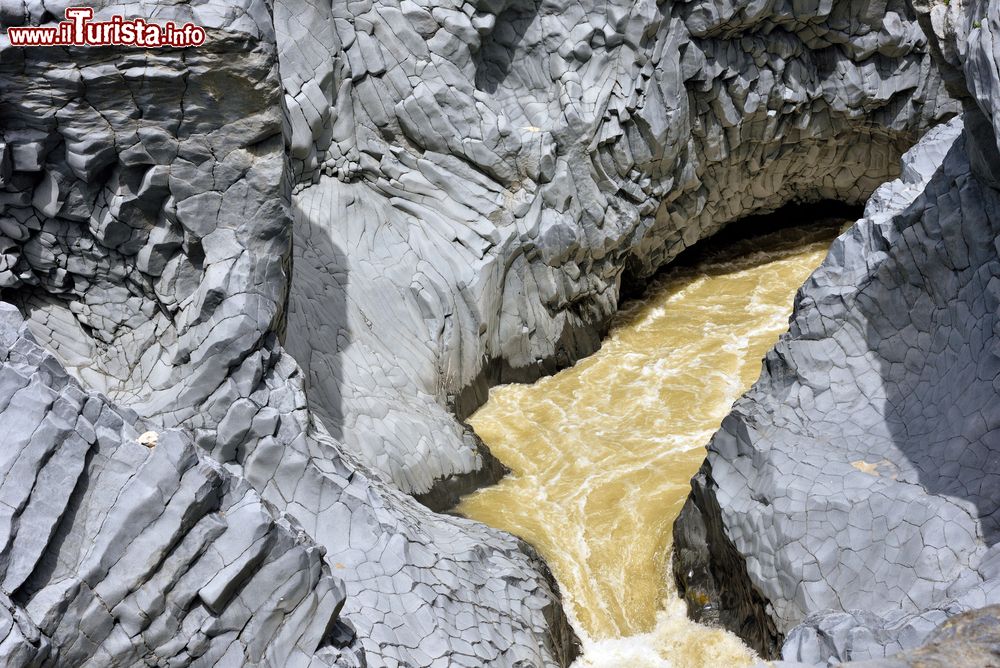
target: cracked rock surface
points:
(118, 548)
(966, 640)
(147, 227)
(308, 245)
(849, 504)
(489, 172)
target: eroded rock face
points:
(119, 546)
(147, 238)
(466, 185)
(488, 172)
(849, 503)
(966, 640)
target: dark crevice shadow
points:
(743, 235)
(495, 57)
(317, 329)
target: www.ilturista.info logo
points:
(79, 30)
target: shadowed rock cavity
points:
(484, 234)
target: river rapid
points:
(602, 453)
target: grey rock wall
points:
(308, 245)
(148, 232)
(965, 640)
(849, 503)
(120, 546)
(489, 172)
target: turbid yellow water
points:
(602, 453)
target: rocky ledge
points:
(120, 545)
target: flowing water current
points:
(602, 453)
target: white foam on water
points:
(675, 642)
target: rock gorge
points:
(848, 504)
(301, 253)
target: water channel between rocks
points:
(602, 453)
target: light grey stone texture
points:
(467, 186)
(162, 282)
(492, 172)
(964, 640)
(849, 504)
(121, 547)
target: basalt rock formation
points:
(849, 504)
(966, 640)
(310, 244)
(147, 239)
(119, 546)
(489, 172)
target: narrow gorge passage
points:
(602, 453)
